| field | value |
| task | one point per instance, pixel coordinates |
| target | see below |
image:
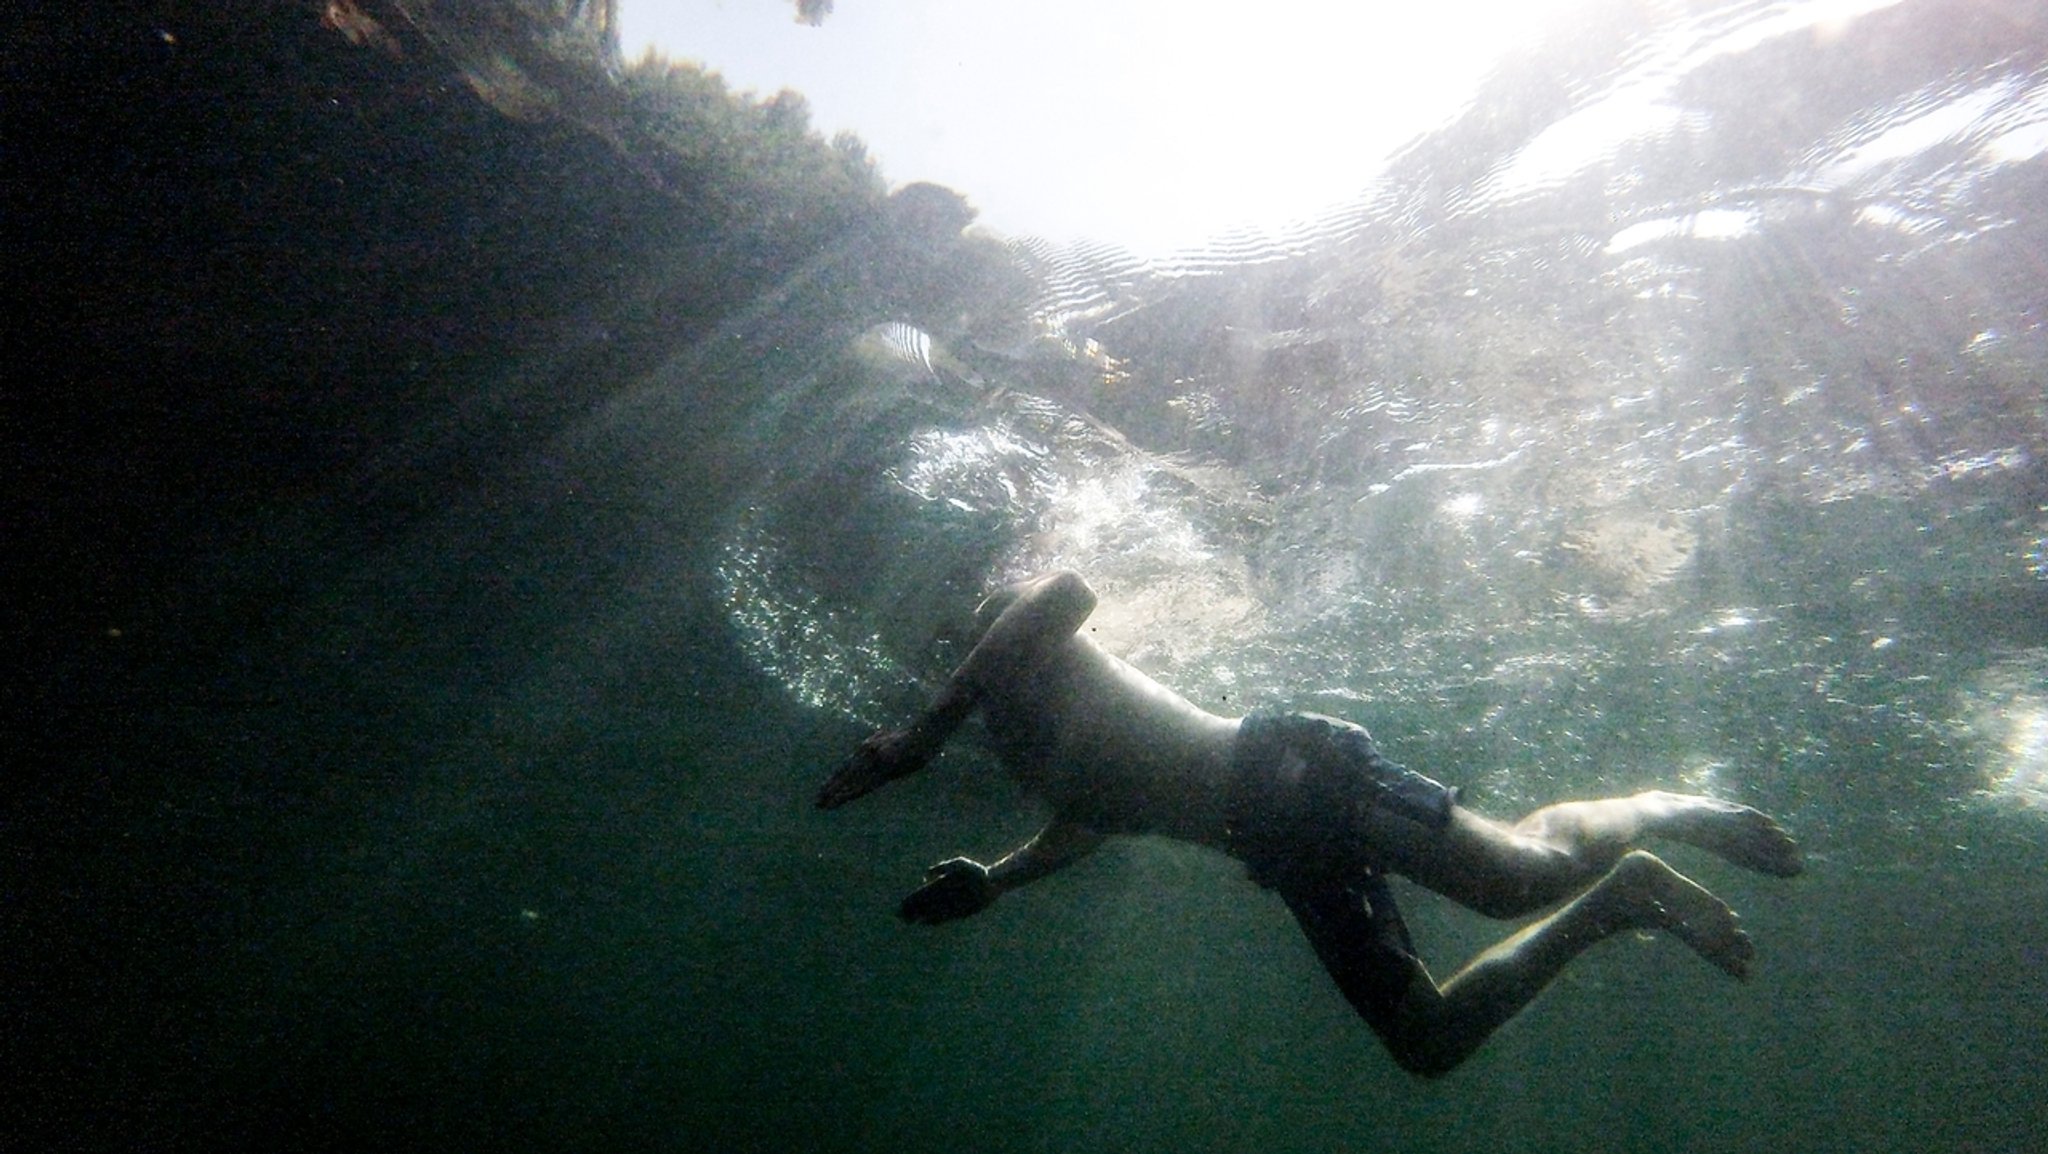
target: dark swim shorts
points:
(1303, 782)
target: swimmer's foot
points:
(1744, 836)
(1650, 895)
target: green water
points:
(383, 786)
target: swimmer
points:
(1317, 815)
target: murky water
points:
(1673, 417)
(1683, 427)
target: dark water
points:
(1675, 416)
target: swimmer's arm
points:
(961, 886)
(1039, 617)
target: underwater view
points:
(468, 489)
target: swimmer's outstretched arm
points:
(961, 886)
(1040, 615)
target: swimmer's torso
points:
(1112, 749)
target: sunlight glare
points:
(2024, 776)
(1151, 126)
(2007, 712)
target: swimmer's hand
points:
(881, 759)
(952, 889)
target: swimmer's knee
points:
(1492, 870)
(1420, 1044)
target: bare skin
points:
(1115, 752)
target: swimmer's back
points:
(1109, 747)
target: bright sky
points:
(1146, 124)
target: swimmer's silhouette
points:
(1318, 816)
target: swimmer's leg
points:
(1510, 870)
(1430, 1029)
(1358, 935)
(1741, 835)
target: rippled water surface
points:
(1713, 373)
